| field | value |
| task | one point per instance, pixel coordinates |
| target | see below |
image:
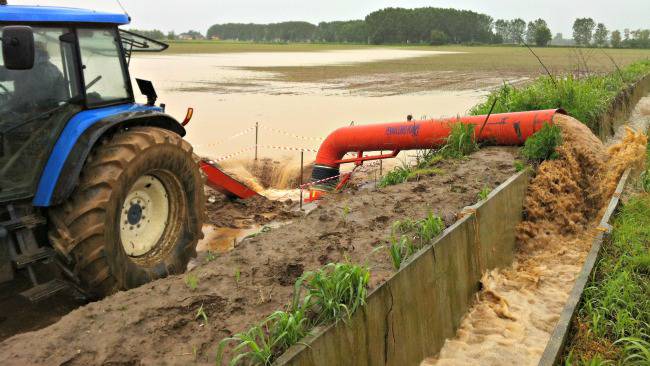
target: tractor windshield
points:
(34, 109)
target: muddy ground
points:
(156, 323)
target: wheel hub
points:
(144, 216)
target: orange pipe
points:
(501, 129)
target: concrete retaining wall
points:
(622, 107)
(409, 317)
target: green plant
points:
(400, 249)
(429, 228)
(397, 175)
(484, 193)
(541, 145)
(255, 346)
(288, 329)
(210, 256)
(417, 173)
(460, 141)
(346, 212)
(637, 351)
(200, 313)
(335, 291)
(192, 281)
(519, 165)
(237, 275)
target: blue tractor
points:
(97, 192)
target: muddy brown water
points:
(519, 306)
(228, 100)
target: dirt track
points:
(155, 324)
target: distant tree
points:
(542, 34)
(153, 34)
(171, 35)
(615, 39)
(501, 31)
(439, 37)
(530, 33)
(582, 31)
(559, 38)
(600, 35)
(516, 30)
(626, 32)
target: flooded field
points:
(229, 100)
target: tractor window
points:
(104, 73)
(33, 110)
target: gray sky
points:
(200, 14)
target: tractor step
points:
(42, 253)
(45, 290)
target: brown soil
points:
(519, 306)
(156, 323)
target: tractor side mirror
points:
(18, 47)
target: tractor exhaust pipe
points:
(497, 129)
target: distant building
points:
(191, 35)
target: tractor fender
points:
(61, 173)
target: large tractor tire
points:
(136, 214)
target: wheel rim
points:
(144, 216)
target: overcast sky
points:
(200, 14)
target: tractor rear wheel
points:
(136, 214)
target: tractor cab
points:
(101, 190)
(50, 70)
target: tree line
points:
(427, 25)
(587, 33)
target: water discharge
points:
(518, 307)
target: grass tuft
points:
(460, 141)
(541, 146)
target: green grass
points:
(615, 306)
(459, 144)
(331, 293)
(484, 193)
(397, 175)
(408, 236)
(460, 141)
(585, 99)
(541, 146)
(335, 291)
(192, 281)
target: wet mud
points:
(156, 323)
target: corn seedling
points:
(335, 291)
(237, 275)
(429, 228)
(210, 256)
(200, 314)
(192, 281)
(288, 329)
(253, 347)
(346, 212)
(484, 193)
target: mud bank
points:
(518, 308)
(156, 323)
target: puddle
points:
(224, 239)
